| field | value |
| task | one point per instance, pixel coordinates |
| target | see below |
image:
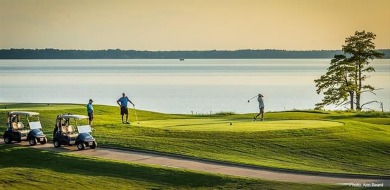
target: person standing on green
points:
(122, 102)
(90, 111)
(261, 107)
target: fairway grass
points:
(28, 168)
(331, 142)
(236, 125)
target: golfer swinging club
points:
(122, 102)
(261, 106)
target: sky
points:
(190, 24)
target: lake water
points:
(173, 86)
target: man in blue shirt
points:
(90, 111)
(122, 102)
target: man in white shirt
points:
(261, 106)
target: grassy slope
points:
(27, 168)
(361, 145)
(219, 125)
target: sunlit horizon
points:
(174, 25)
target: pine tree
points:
(344, 80)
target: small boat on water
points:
(181, 59)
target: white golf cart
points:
(65, 134)
(24, 125)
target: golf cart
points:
(17, 130)
(65, 134)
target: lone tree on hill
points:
(343, 82)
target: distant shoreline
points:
(180, 55)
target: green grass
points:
(336, 142)
(28, 168)
(235, 125)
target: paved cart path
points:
(214, 167)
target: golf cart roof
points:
(27, 113)
(69, 116)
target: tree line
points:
(137, 54)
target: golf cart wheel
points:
(94, 145)
(7, 140)
(44, 141)
(56, 144)
(81, 146)
(32, 141)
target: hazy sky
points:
(190, 24)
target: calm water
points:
(174, 86)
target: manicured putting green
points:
(236, 125)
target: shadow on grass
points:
(12, 156)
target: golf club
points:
(135, 113)
(252, 98)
